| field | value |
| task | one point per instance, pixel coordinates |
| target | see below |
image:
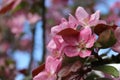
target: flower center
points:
(81, 45)
(86, 20)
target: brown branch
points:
(95, 53)
(43, 26)
(32, 52)
(33, 41)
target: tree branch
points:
(32, 52)
(43, 26)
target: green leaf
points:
(92, 76)
(69, 60)
(97, 45)
(108, 69)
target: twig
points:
(95, 53)
(32, 52)
(43, 26)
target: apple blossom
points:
(71, 23)
(52, 65)
(72, 41)
(83, 19)
(16, 23)
(78, 45)
(56, 45)
(58, 28)
(87, 20)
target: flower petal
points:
(55, 30)
(58, 40)
(117, 34)
(94, 19)
(95, 16)
(41, 76)
(102, 22)
(71, 51)
(85, 53)
(52, 77)
(116, 47)
(72, 22)
(91, 41)
(81, 14)
(56, 46)
(85, 34)
(71, 40)
(51, 46)
(52, 64)
(63, 20)
(58, 28)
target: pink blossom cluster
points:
(77, 42)
(114, 13)
(17, 22)
(72, 38)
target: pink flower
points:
(4, 46)
(114, 10)
(56, 29)
(83, 19)
(51, 67)
(56, 45)
(71, 23)
(79, 44)
(87, 20)
(16, 23)
(116, 47)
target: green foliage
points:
(108, 69)
(28, 77)
(92, 76)
(97, 45)
(21, 6)
(68, 60)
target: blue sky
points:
(22, 58)
(104, 8)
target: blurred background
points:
(25, 30)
